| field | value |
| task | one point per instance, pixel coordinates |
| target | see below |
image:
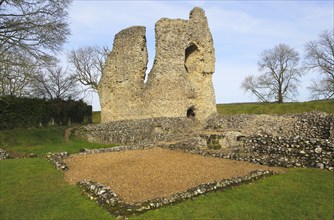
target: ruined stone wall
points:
(295, 140)
(142, 131)
(309, 124)
(121, 86)
(294, 151)
(180, 82)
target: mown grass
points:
(297, 194)
(33, 189)
(42, 140)
(276, 108)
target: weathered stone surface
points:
(57, 159)
(180, 82)
(121, 85)
(287, 140)
(3, 154)
(296, 151)
(141, 131)
(311, 124)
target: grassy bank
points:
(276, 108)
(42, 140)
(32, 189)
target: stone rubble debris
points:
(3, 154)
(57, 159)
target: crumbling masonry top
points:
(180, 81)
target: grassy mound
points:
(276, 108)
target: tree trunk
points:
(280, 97)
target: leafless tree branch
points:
(320, 59)
(55, 83)
(88, 64)
(280, 77)
(38, 28)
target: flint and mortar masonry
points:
(3, 154)
(180, 81)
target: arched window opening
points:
(188, 52)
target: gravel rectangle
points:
(141, 175)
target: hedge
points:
(33, 112)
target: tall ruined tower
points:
(180, 82)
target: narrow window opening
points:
(191, 112)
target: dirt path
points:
(140, 175)
(68, 134)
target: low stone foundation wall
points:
(57, 160)
(300, 140)
(3, 154)
(262, 149)
(115, 149)
(108, 199)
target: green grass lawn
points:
(33, 189)
(297, 194)
(42, 140)
(276, 108)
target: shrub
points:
(33, 112)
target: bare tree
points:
(320, 58)
(280, 75)
(38, 28)
(54, 83)
(251, 84)
(16, 74)
(88, 63)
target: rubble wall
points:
(180, 81)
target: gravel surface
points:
(140, 175)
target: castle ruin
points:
(180, 81)
(154, 114)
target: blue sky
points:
(241, 30)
